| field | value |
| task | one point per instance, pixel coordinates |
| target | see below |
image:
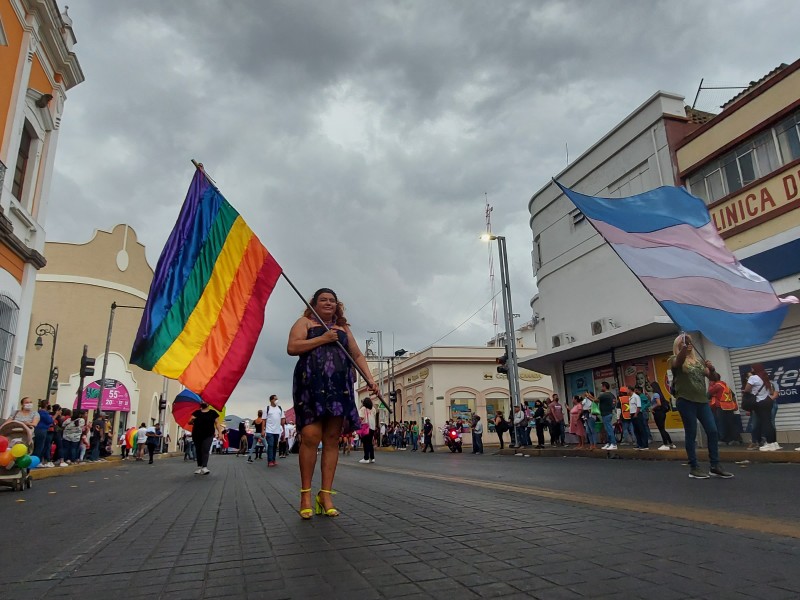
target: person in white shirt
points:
(273, 428)
(141, 441)
(588, 420)
(766, 393)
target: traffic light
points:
(502, 366)
(87, 366)
(393, 396)
(162, 403)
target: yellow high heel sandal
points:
(321, 510)
(305, 513)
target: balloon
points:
(3, 443)
(19, 450)
(6, 458)
(23, 462)
(35, 462)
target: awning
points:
(548, 362)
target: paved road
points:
(412, 526)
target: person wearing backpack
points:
(274, 428)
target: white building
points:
(593, 320)
(447, 382)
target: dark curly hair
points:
(339, 317)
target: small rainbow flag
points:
(205, 309)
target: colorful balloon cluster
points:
(16, 456)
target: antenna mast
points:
(488, 211)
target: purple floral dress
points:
(323, 384)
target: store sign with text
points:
(115, 396)
(785, 372)
(779, 193)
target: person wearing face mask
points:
(205, 423)
(25, 414)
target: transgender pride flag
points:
(668, 240)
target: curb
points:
(40, 473)
(679, 454)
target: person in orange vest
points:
(625, 415)
(723, 406)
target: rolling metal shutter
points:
(590, 362)
(642, 349)
(786, 343)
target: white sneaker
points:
(205, 471)
(612, 447)
(606, 447)
(672, 447)
(63, 464)
(768, 448)
(664, 447)
(777, 446)
(49, 464)
(798, 448)
(372, 461)
(363, 461)
(199, 471)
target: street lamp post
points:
(42, 330)
(508, 314)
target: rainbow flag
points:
(205, 309)
(667, 239)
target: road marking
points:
(718, 518)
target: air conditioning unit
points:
(562, 339)
(603, 325)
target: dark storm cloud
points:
(358, 138)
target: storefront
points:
(116, 403)
(645, 364)
(781, 359)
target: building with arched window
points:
(74, 293)
(37, 67)
(447, 382)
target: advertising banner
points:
(115, 398)
(577, 383)
(664, 379)
(606, 374)
(784, 373)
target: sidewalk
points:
(112, 461)
(728, 454)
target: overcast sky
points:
(358, 139)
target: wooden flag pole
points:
(199, 167)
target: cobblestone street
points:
(411, 526)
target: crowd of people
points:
(63, 437)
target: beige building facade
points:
(74, 293)
(745, 164)
(447, 382)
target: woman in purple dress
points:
(323, 393)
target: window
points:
(23, 156)
(537, 253)
(3, 38)
(788, 134)
(8, 329)
(752, 160)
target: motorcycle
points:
(452, 439)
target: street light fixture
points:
(47, 329)
(508, 315)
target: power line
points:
(464, 322)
